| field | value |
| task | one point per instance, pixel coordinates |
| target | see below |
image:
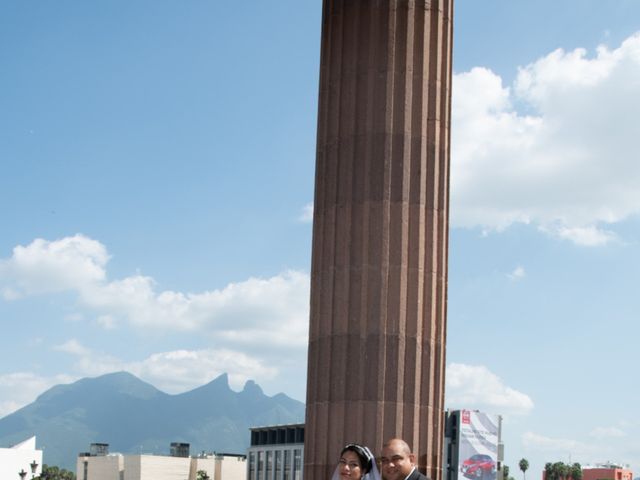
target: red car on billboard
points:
(478, 466)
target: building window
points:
(260, 465)
(269, 474)
(252, 466)
(287, 465)
(297, 464)
(278, 465)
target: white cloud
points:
(517, 274)
(53, 266)
(589, 236)
(179, 370)
(172, 372)
(258, 310)
(72, 347)
(307, 213)
(556, 446)
(549, 444)
(570, 166)
(246, 324)
(182, 370)
(74, 317)
(579, 451)
(21, 388)
(475, 387)
(9, 406)
(607, 432)
(604, 444)
(9, 293)
(107, 322)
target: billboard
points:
(473, 451)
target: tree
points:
(576, 471)
(561, 471)
(547, 471)
(524, 465)
(202, 475)
(557, 471)
(505, 473)
(55, 473)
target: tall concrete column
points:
(380, 233)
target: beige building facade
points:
(221, 466)
(100, 467)
(160, 467)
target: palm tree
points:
(524, 465)
(576, 471)
(548, 475)
(557, 471)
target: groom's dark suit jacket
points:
(417, 475)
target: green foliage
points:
(524, 465)
(547, 471)
(562, 471)
(576, 471)
(202, 475)
(55, 473)
(505, 473)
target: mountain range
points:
(133, 416)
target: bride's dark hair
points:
(364, 456)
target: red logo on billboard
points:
(466, 416)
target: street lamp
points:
(34, 467)
(22, 474)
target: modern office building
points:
(276, 452)
(21, 461)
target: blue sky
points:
(157, 164)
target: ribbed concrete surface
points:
(379, 265)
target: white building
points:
(101, 467)
(21, 461)
(105, 466)
(156, 467)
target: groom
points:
(397, 462)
